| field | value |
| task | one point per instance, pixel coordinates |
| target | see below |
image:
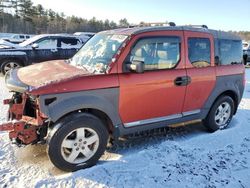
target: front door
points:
(158, 93)
(47, 50)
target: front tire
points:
(220, 114)
(77, 142)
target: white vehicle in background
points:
(17, 38)
(246, 52)
(245, 45)
(85, 36)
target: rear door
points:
(154, 95)
(200, 68)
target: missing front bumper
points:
(20, 132)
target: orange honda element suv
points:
(124, 81)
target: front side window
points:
(97, 53)
(47, 43)
(199, 52)
(157, 53)
(230, 52)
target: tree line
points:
(22, 16)
(245, 35)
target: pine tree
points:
(26, 10)
(123, 23)
(15, 6)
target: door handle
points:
(182, 81)
(54, 50)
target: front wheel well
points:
(99, 114)
(103, 117)
(19, 60)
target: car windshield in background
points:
(97, 53)
(30, 41)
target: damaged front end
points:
(25, 123)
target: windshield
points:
(97, 53)
(30, 41)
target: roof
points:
(138, 30)
(57, 35)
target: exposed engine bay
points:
(26, 124)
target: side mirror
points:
(136, 66)
(217, 60)
(35, 46)
(244, 59)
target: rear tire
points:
(8, 65)
(220, 115)
(77, 142)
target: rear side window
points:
(69, 43)
(230, 52)
(199, 52)
(157, 53)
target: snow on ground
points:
(180, 157)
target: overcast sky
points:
(216, 14)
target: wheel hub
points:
(79, 145)
(222, 114)
(11, 65)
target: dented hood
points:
(45, 73)
(42, 74)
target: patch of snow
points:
(5, 43)
(180, 157)
(14, 53)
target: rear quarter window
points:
(230, 52)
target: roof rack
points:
(199, 26)
(155, 24)
(152, 24)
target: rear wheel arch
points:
(231, 94)
(215, 96)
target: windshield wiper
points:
(235, 63)
(82, 66)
